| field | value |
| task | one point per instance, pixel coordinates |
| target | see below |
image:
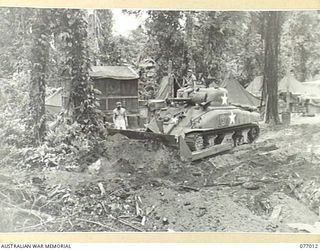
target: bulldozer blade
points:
(187, 155)
(168, 140)
(210, 152)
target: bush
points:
(65, 143)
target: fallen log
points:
(189, 188)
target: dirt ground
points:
(139, 186)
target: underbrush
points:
(67, 144)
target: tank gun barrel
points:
(180, 99)
(194, 98)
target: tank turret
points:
(212, 96)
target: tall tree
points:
(216, 44)
(16, 44)
(247, 49)
(300, 49)
(103, 48)
(39, 62)
(165, 41)
(271, 52)
(81, 104)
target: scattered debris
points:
(188, 188)
(126, 223)
(275, 216)
(165, 221)
(250, 186)
(102, 190)
(306, 227)
(99, 224)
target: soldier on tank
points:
(188, 84)
(190, 80)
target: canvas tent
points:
(312, 94)
(315, 82)
(311, 89)
(286, 83)
(290, 84)
(256, 86)
(54, 101)
(306, 93)
(238, 94)
(164, 88)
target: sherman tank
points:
(200, 123)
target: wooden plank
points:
(129, 87)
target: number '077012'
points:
(309, 246)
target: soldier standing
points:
(120, 118)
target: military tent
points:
(164, 88)
(289, 83)
(53, 102)
(256, 86)
(312, 94)
(238, 94)
(311, 88)
(315, 82)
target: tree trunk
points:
(189, 41)
(272, 41)
(81, 104)
(39, 60)
(302, 72)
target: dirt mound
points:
(309, 193)
(201, 211)
(292, 211)
(133, 156)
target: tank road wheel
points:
(210, 140)
(198, 142)
(238, 138)
(218, 139)
(195, 142)
(253, 134)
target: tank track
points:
(238, 135)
